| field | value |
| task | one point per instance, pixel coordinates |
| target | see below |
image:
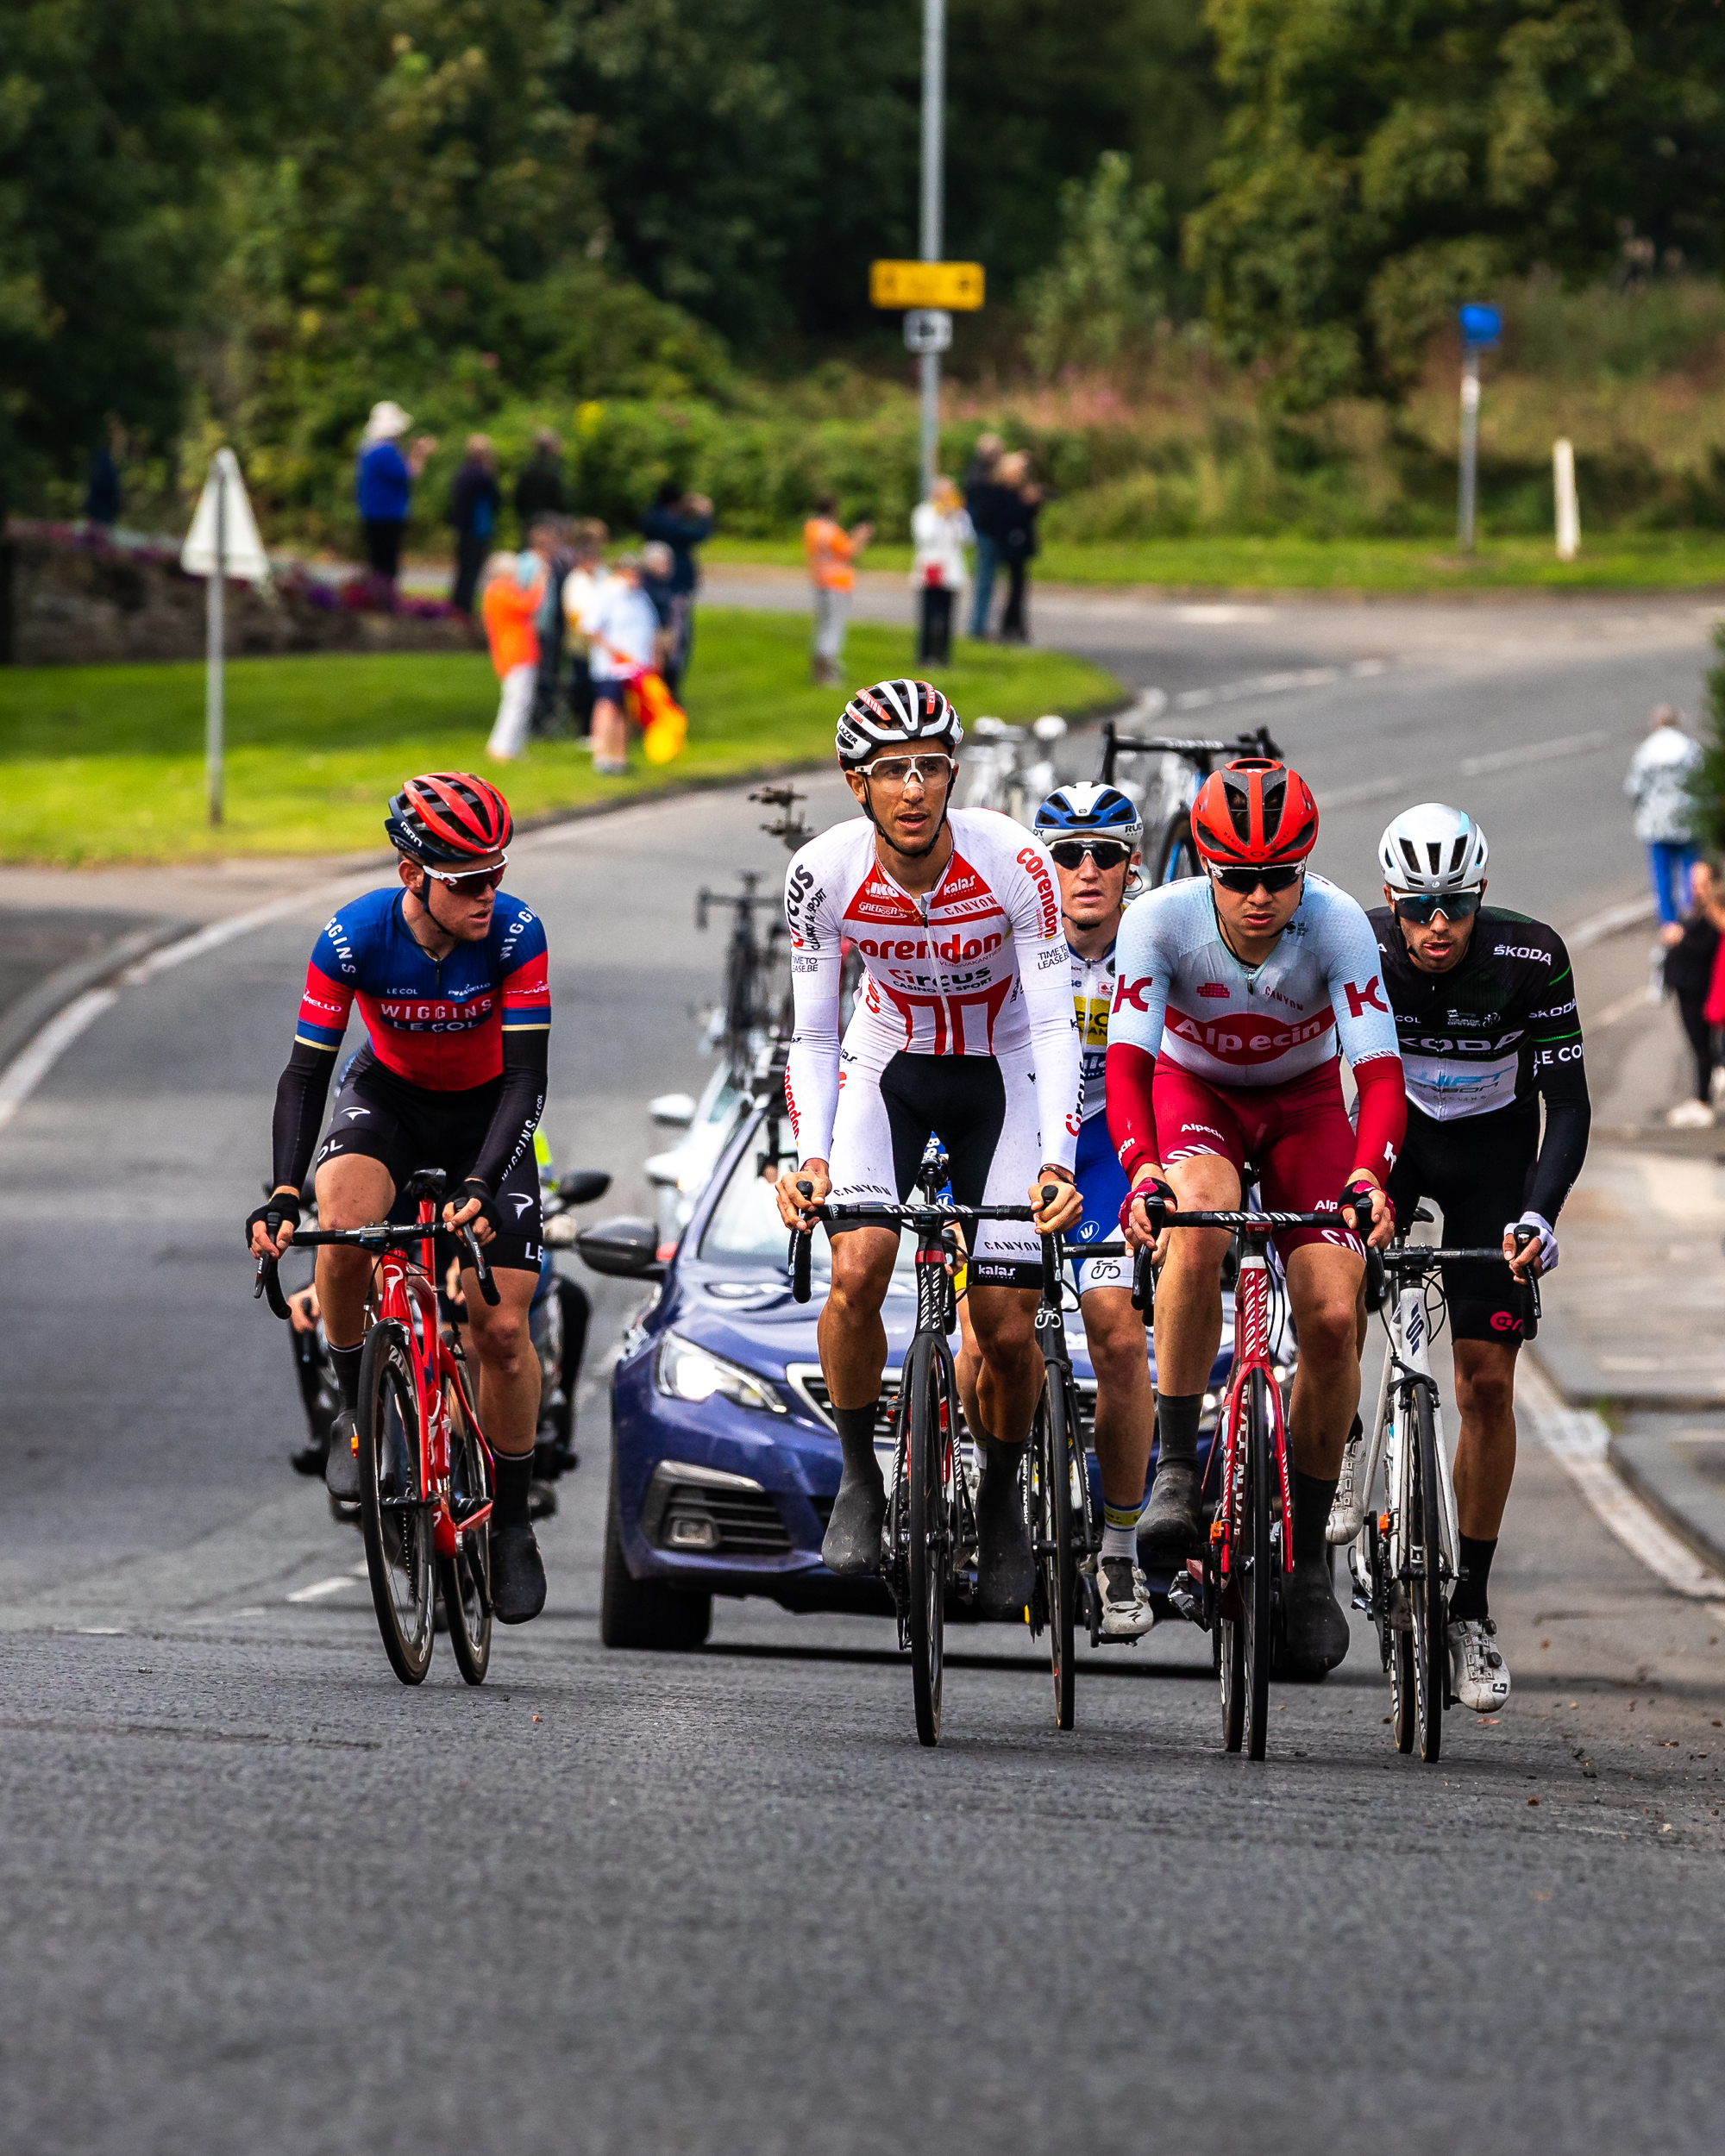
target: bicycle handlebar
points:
(802, 1239)
(382, 1236)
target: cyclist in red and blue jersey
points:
(449, 974)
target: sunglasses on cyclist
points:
(1106, 853)
(1454, 905)
(473, 884)
(894, 772)
(1243, 881)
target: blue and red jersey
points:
(436, 1023)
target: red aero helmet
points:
(1254, 812)
(445, 816)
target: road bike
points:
(928, 1545)
(1251, 1549)
(1404, 1560)
(1169, 851)
(1065, 1530)
(425, 1480)
(1007, 771)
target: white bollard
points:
(1568, 502)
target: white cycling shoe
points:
(1479, 1677)
(1348, 1507)
(1127, 1611)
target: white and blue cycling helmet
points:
(1433, 849)
(1084, 811)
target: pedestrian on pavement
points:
(1020, 501)
(978, 506)
(832, 553)
(476, 506)
(682, 521)
(383, 485)
(622, 630)
(103, 496)
(548, 543)
(1690, 966)
(539, 488)
(1659, 784)
(940, 532)
(514, 588)
(587, 573)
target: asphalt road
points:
(260, 1896)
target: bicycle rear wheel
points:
(465, 1579)
(394, 1516)
(1261, 1559)
(1425, 1588)
(931, 1478)
(1176, 855)
(1052, 1513)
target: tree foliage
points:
(1104, 285)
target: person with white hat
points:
(383, 484)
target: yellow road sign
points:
(953, 285)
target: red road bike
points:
(425, 1480)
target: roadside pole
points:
(215, 650)
(1568, 502)
(933, 140)
(222, 542)
(1480, 327)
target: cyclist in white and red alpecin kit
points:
(1233, 990)
(964, 1027)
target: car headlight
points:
(687, 1372)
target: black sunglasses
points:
(1242, 881)
(1106, 853)
(1454, 905)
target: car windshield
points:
(744, 1228)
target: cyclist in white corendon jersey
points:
(1234, 991)
(964, 1028)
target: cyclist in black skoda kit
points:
(1487, 1023)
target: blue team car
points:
(725, 1461)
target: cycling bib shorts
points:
(1102, 1184)
(1478, 1170)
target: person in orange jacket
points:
(515, 585)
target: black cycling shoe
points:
(851, 1546)
(1005, 1560)
(517, 1573)
(312, 1460)
(1316, 1630)
(341, 1469)
(1172, 1528)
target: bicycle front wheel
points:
(930, 1479)
(1177, 853)
(1425, 1588)
(465, 1578)
(1261, 1559)
(395, 1516)
(1053, 1514)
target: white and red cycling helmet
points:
(902, 714)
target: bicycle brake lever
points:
(482, 1270)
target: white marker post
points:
(223, 542)
(1568, 500)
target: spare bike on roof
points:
(1169, 851)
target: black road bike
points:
(1169, 851)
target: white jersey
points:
(1092, 1000)
(1182, 994)
(977, 966)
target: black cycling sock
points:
(514, 1473)
(1468, 1599)
(1176, 1424)
(345, 1362)
(1314, 1495)
(856, 1437)
(1001, 1460)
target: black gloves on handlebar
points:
(474, 1188)
(284, 1206)
(1356, 1198)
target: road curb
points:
(31, 1012)
(1666, 1482)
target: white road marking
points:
(1372, 790)
(1578, 1438)
(1597, 926)
(334, 1585)
(1257, 685)
(1224, 613)
(102, 1632)
(1536, 752)
(1624, 1007)
(33, 1063)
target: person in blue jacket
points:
(680, 521)
(383, 484)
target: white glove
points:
(1547, 1233)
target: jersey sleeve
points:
(1365, 1026)
(811, 1066)
(525, 998)
(1045, 982)
(331, 978)
(330, 981)
(1141, 984)
(1560, 1074)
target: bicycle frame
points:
(1251, 1353)
(1407, 1371)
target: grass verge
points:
(105, 764)
(1675, 561)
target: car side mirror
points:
(626, 1248)
(675, 1110)
(583, 1185)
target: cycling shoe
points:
(1316, 1635)
(1348, 1507)
(851, 1546)
(1005, 1559)
(1127, 1610)
(341, 1469)
(1172, 1528)
(518, 1574)
(311, 1461)
(1479, 1677)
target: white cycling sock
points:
(1118, 1541)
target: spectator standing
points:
(581, 587)
(1019, 503)
(623, 631)
(658, 569)
(548, 543)
(103, 496)
(514, 587)
(539, 488)
(383, 484)
(476, 506)
(940, 532)
(1659, 784)
(1689, 970)
(832, 553)
(682, 521)
(979, 505)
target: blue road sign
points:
(1481, 327)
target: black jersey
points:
(1493, 1032)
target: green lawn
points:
(105, 764)
(1673, 560)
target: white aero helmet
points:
(1432, 848)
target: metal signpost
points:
(1480, 327)
(223, 542)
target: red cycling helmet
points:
(1252, 812)
(449, 816)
